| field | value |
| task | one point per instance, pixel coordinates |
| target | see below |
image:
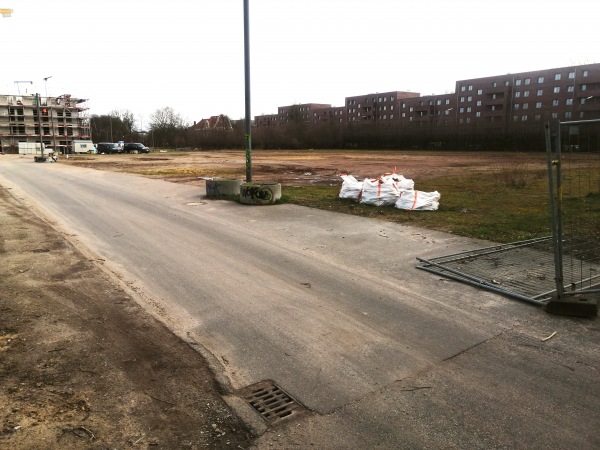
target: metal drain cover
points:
(271, 402)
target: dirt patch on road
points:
(83, 365)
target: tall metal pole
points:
(39, 116)
(248, 136)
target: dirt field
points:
(83, 366)
(302, 167)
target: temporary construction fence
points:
(388, 190)
(564, 264)
(574, 184)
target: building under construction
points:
(54, 121)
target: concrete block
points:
(578, 305)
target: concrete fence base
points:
(260, 193)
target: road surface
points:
(328, 306)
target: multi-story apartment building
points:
(55, 121)
(496, 106)
(379, 107)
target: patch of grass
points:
(186, 172)
(472, 205)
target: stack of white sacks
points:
(389, 190)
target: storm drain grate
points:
(271, 402)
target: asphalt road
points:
(333, 310)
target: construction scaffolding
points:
(55, 121)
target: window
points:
(525, 105)
(517, 94)
(556, 89)
(479, 91)
(571, 88)
(391, 116)
(469, 98)
(478, 102)
(461, 110)
(584, 87)
(540, 80)
(540, 92)
(470, 87)
(568, 115)
(507, 83)
(571, 75)
(516, 106)
(515, 118)
(538, 105)
(527, 81)
(403, 115)
(585, 73)
(537, 117)
(469, 109)
(524, 118)
(462, 99)
(463, 88)
(526, 94)
(569, 101)
(554, 102)
(494, 84)
(518, 82)
(478, 114)
(557, 77)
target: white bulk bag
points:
(379, 192)
(351, 187)
(418, 200)
(401, 181)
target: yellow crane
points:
(5, 12)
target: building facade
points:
(55, 121)
(497, 106)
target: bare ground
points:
(82, 365)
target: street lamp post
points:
(248, 137)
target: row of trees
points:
(166, 129)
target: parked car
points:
(109, 147)
(136, 147)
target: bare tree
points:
(168, 127)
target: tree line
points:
(167, 129)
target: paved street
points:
(333, 310)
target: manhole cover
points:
(271, 402)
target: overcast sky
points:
(142, 56)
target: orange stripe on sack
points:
(415, 202)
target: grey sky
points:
(188, 55)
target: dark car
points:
(136, 147)
(109, 147)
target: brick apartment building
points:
(496, 106)
(60, 121)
